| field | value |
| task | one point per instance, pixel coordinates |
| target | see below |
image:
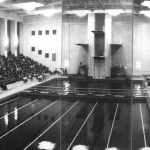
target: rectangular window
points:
(32, 49)
(40, 32)
(47, 32)
(46, 55)
(32, 32)
(53, 56)
(39, 52)
(54, 31)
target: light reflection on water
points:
(6, 119)
(46, 145)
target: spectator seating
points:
(20, 68)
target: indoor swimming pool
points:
(27, 122)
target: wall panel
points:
(47, 43)
(122, 34)
(74, 32)
(141, 48)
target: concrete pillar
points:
(108, 41)
(14, 38)
(4, 37)
(91, 48)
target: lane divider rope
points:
(50, 126)
(112, 126)
(27, 120)
(143, 126)
(9, 101)
(81, 126)
(20, 108)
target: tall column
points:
(91, 27)
(4, 37)
(108, 41)
(14, 38)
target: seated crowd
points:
(20, 68)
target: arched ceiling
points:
(8, 5)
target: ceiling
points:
(96, 4)
(8, 5)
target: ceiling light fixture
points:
(28, 6)
(1, 1)
(146, 3)
(114, 12)
(99, 11)
(47, 12)
(79, 13)
(127, 11)
(82, 13)
(146, 13)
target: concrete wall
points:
(47, 43)
(122, 34)
(133, 34)
(74, 32)
(108, 41)
(141, 45)
(91, 41)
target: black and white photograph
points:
(74, 74)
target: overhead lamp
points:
(79, 13)
(99, 11)
(1, 1)
(146, 13)
(114, 12)
(47, 12)
(82, 13)
(146, 3)
(28, 6)
(127, 11)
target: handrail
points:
(98, 91)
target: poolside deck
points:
(20, 86)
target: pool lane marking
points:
(9, 101)
(20, 108)
(112, 126)
(143, 126)
(81, 127)
(27, 120)
(50, 126)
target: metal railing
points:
(94, 91)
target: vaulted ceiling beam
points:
(82, 4)
(100, 2)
